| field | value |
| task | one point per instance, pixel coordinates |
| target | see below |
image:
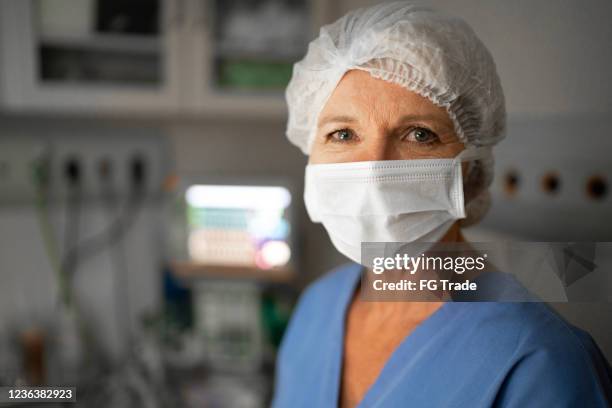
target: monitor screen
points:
(235, 225)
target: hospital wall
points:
(554, 60)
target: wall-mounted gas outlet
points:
(18, 158)
(84, 162)
(554, 179)
(108, 166)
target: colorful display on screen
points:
(239, 225)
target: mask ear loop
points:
(471, 155)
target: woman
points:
(391, 103)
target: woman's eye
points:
(342, 135)
(422, 135)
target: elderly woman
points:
(398, 107)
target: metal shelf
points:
(194, 270)
(234, 51)
(133, 44)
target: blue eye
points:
(342, 135)
(422, 135)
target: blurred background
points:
(153, 238)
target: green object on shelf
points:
(275, 319)
(254, 74)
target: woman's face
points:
(368, 119)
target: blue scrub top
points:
(480, 354)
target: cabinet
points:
(152, 57)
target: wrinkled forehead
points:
(361, 97)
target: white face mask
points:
(386, 201)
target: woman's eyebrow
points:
(411, 118)
(439, 119)
(340, 118)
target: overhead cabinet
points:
(222, 57)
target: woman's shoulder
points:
(324, 294)
(316, 313)
(538, 324)
(565, 360)
(330, 284)
(531, 326)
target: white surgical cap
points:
(435, 55)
